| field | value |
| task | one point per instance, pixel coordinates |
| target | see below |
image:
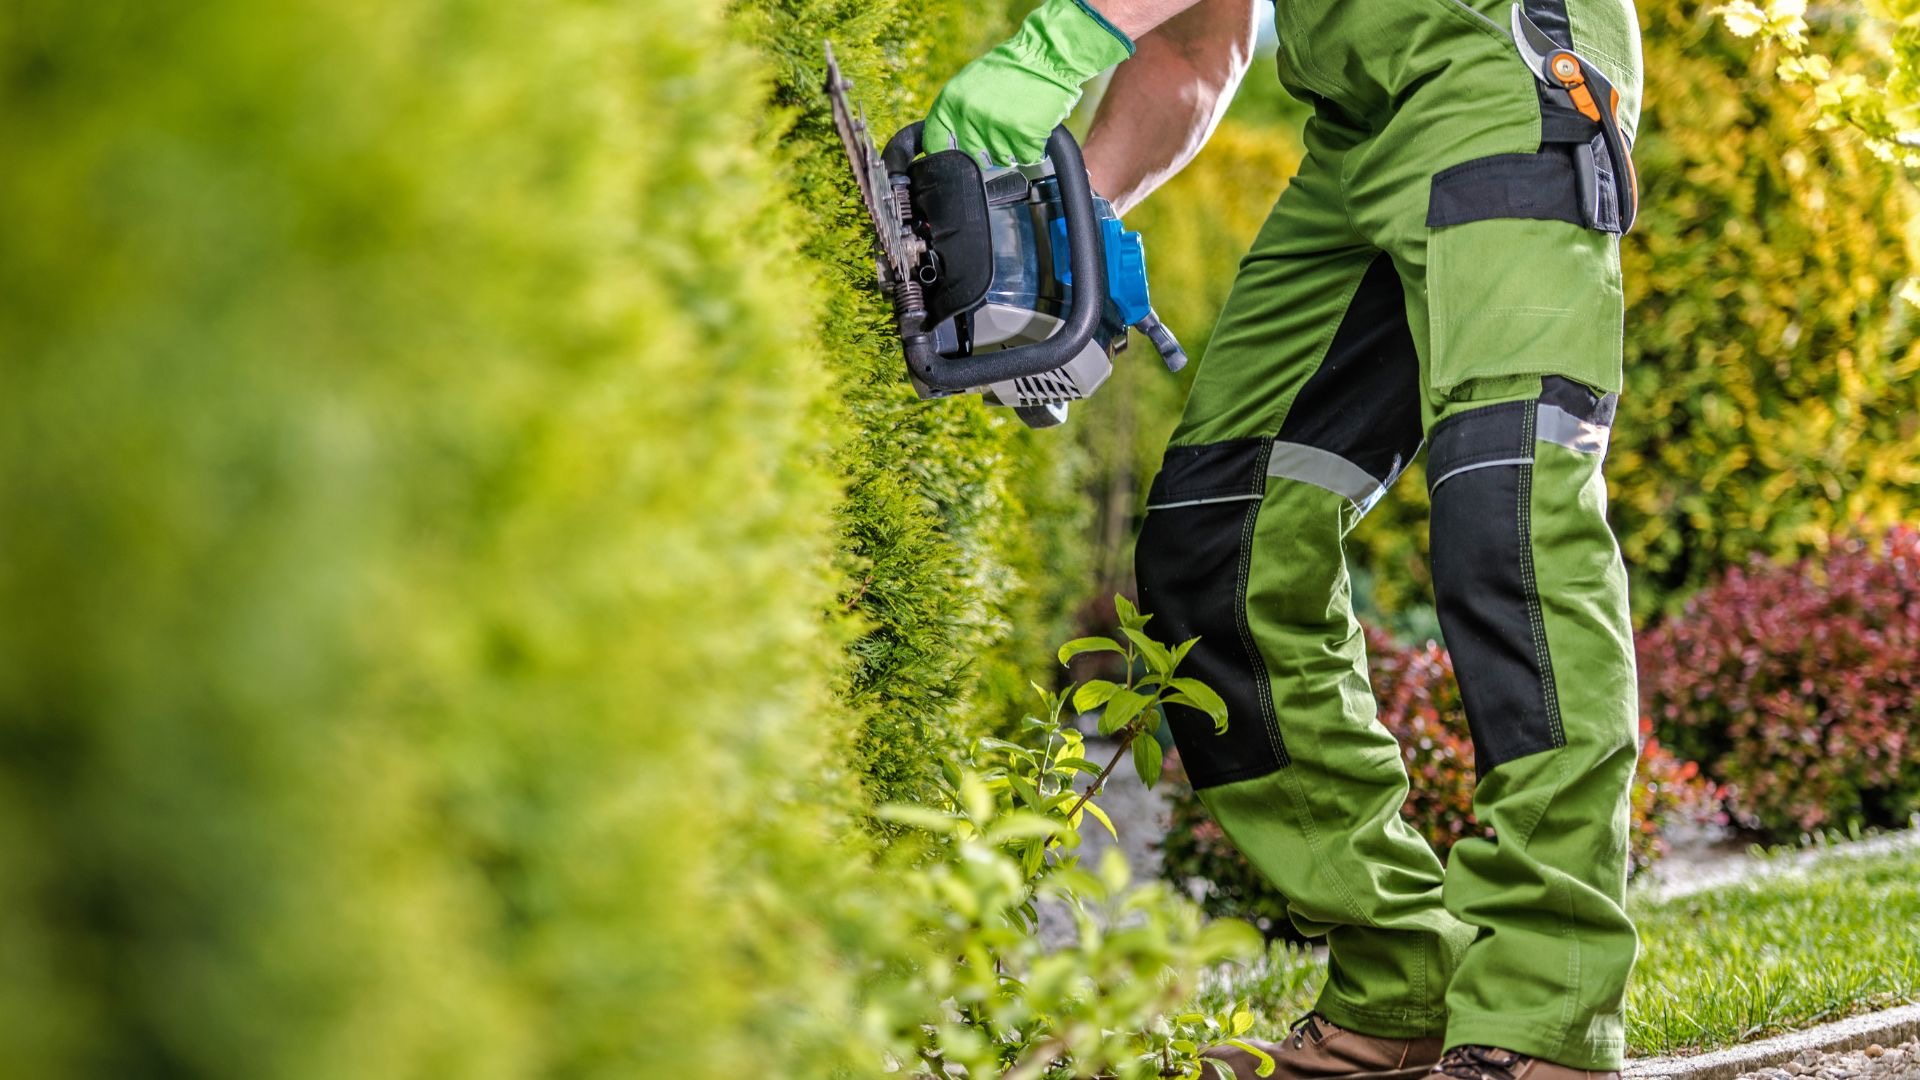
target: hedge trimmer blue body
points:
(1017, 284)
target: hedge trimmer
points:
(1017, 284)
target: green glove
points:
(1004, 105)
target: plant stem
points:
(1037, 1059)
(865, 584)
(1100, 781)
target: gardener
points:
(1443, 271)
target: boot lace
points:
(1478, 1063)
(1307, 1027)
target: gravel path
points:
(1706, 859)
(1874, 1063)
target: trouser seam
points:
(1304, 814)
(1322, 344)
(1257, 660)
(1536, 618)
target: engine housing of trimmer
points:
(1017, 284)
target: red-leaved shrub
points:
(1798, 686)
(1419, 703)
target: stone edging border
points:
(1887, 1027)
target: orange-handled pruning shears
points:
(1570, 78)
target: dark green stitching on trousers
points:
(1548, 690)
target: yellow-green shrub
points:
(411, 543)
(1771, 400)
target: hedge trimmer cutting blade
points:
(900, 250)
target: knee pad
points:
(1192, 562)
(1482, 478)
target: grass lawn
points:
(1720, 967)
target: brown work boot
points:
(1493, 1063)
(1316, 1048)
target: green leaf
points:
(919, 817)
(975, 798)
(1219, 726)
(1027, 792)
(1020, 825)
(1093, 693)
(1129, 615)
(1242, 1022)
(1078, 764)
(1100, 816)
(1158, 659)
(1203, 698)
(1181, 650)
(1121, 709)
(1147, 758)
(1089, 644)
(1263, 1061)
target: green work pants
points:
(1430, 280)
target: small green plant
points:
(1130, 710)
(1113, 1001)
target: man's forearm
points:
(1138, 18)
(1161, 105)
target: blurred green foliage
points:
(1771, 400)
(411, 542)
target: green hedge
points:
(959, 531)
(468, 554)
(411, 544)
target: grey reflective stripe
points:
(1556, 425)
(1479, 465)
(1324, 469)
(1201, 502)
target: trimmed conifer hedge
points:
(960, 529)
(413, 543)
(468, 554)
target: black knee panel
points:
(1480, 473)
(1480, 477)
(1191, 563)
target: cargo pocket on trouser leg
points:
(1523, 296)
(1523, 261)
(1192, 562)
